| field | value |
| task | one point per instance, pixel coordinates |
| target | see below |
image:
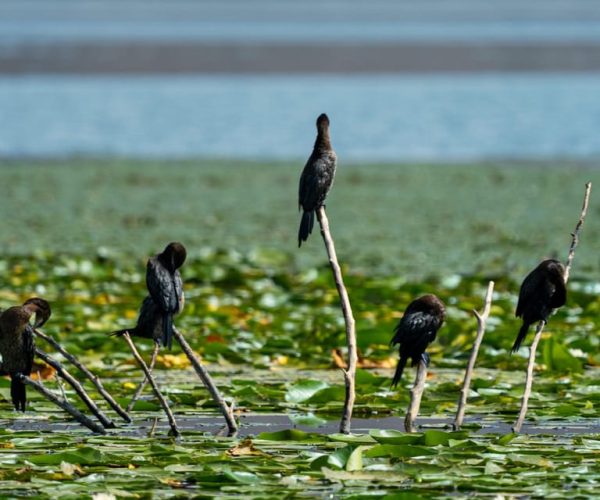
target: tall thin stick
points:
(415, 397)
(226, 410)
(69, 408)
(481, 321)
(540, 328)
(575, 234)
(157, 393)
(350, 372)
(83, 369)
(144, 381)
(74, 383)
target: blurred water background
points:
(442, 81)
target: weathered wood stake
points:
(161, 399)
(69, 408)
(481, 321)
(94, 379)
(144, 381)
(540, 327)
(350, 371)
(74, 383)
(415, 397)
(202, 372)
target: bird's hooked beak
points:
(41, 308)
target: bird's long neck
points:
(323, 142)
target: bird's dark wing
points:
(559, 292)
(178, 284)
(416, 326)
(316, 180)
(29, 349)
(160, 285)
(529, 292)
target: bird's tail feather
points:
(306, 226)
(18, 393)
(520, 337)
(399, 370)
(167, 339)
(120, 333)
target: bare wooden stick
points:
(74, 383)
(93, 378)
(144, 381)
(481, 321)
(529, 377)
(157, 393)
(540, 328)
(202, 372)
(69, 408)
(350, 372)
(575, 234)
(415, 397)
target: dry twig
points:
(415, 397)
(350, 372)
(202, 372)
(74, 383)
(83, 369)
(481, 321)
(69, 408)
(154, 385)
(540, 327)
(144, 381)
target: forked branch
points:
(481, 322)
(540, 328)
(350, 372)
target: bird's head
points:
(40, 307)
(322, 122)
(174, 255)
(434, 304)
(554, 267)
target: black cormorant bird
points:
(316, 178)
(543, 290)
(416, 330)
(17, 345)
(165, 286)
(149, 323)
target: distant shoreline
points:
(267, 58)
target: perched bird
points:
(316, 178)
(17, 345)
(149, 323)
(416, 330)
(165, 286)
(543, 290)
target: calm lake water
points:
(421, 117)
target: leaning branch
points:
(350, 372)
(415, 397)
(74, 383)
(202, 372)
(154, 385)
(481, 321)
(139, 390)
(69, 408)
(540, 328)
(91, 377)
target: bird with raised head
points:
(17, 345)
(165, 285)
(542, 291)
(417, 328)
(316, 179)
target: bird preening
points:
(165, 286)
(417, 328)
(316, 179)
(542, 291)
(17, 345)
